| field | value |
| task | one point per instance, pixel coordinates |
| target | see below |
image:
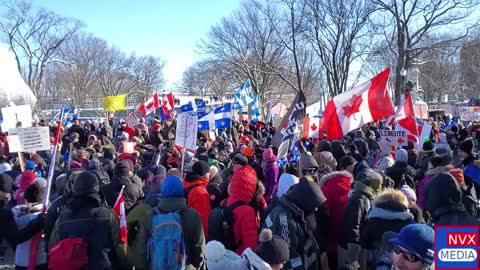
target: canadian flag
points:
(119, 209)
(403, 112)
(313, 127)
(365, 103)
(167, 103)
(416, 132)
(150, 105)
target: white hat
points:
(218, 257)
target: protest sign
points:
(132, 120)
(29, 140)
(14, 114)
(469, 113)
(392, 137)
(186, 133)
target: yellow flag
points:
(114, 103)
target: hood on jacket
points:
(243, 185)
(307, 195)
(359, 188)
(371, 179)
(382, 213)
(171, 204)
(391, 199)
(341, 176)
(443, 194)
(193, 177)
(254, 260)
(438, 170)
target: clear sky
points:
(166, 28)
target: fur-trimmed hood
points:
(333, 175)
(390, 196)
(439, 170)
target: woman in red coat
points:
(335, 186)
(242, 188)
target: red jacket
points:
(199, 199)
(245, 223)
(335, 186)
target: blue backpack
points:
(473, 172)
(166, 245)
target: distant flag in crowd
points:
(244, 96)
(403, 112)
(166, 106)
(363, 104)
(119, 209)
(150, 105)
(313, 127)
(206, 122)
(67, 116)
(201, 108)
(256, 107)
(415, 130)
(114, 103)
(222, 116)
(292, 118)
(186, 108)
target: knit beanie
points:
(240, 158)
(285, 182)
(346, 161)
(172, 187)
(268, 155)
(409, 193)
(428, 147)
(401, 155)
(30, 165)
(220, 258)
(466, 146)
(122, 169)
(200, 167)
(27, 179)
(271, 248)
(248, 152)
(307, 161)
(418, 239)
(86, 183)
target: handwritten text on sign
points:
(29, 139)
(397, 138)
(469, 113)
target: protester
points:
(414, 248)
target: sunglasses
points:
(407, 255)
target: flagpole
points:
(119, 195)
(37, 237)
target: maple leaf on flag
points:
(354, 106)
(313, 127)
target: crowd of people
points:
(353, 203)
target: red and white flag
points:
(363, 104)
(403, 112)
(150, 105)
(167, 103)
(119, 209)
(416, 132)
(313, 127)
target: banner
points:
(394, 138)
(469, 113)
(186, 133)
(295, 113)
(14, 114)
(132, 120)
(114, 103)
(28, 139)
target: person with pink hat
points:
(270, 173)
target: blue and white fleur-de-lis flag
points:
(222, 116)
(244, 96)
(186, 108)
(205, 122)
(201, 108)
(67, 116)
(256, 107)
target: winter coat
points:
(138, 213)
(335, 186)
(131, 194)
(270, 181)
(295, 222)
(102, 176)
(198, 197)
(245, 222)
(191, 226)
(156, 138)
(98, 225)
(428, 177)
(398, 171)
(53, 212)
(388, 214)
(226, 178)
(443, 200)
(214, 191)
(422, 164)
(253, 261)
(384, 162)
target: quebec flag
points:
(222, 116)
(201, 107)
(67, 116)
(186, 108)
(256, 107)
(206, 122)
(244, 96)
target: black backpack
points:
(220, 225)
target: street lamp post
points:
(403, 74)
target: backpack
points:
(166, 245)
(220, 225)
(70, 253)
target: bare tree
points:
(336, 30)
(35, 36)
(470, 68)
(409, 26)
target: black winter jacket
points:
(132, 192)
(398, 170)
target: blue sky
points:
(166, 28)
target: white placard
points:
(469, 113)
(186, 133)
(392, 137)
(131, 120)
(29, 140)
(11, 115)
